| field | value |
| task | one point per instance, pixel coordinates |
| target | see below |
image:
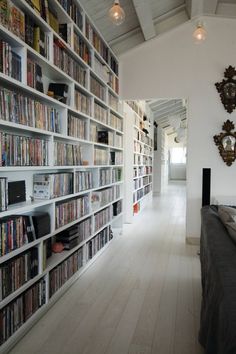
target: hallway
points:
(142, 296)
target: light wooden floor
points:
(142, 296)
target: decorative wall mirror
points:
(226, 143)
(227, 89)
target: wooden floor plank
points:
(142, 296)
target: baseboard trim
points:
(194, 241)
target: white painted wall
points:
(172, 65)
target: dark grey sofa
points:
(217, 332)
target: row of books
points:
(64, 271)
(116, 158)
(96, 41)
(18, 271)
(113, 82)
(113, 102)
(97, 89)
(142, 149)
(81, 48)
(13, 233)
(12, 18)
(16, 150)
(98, 242)
(118, 141)
(67, 154)
(135, 107)
(116, 175)
(138, 159)
(75, 234)
(71, 210)
(101, 156)
(104, 176)
(83, 180)
(76, 127)
(114, 65)
(34, 75)
(82, 103)
(147, 160)
(52, 185)
(147, 189)
(3, 194)
(101, 70)
(73, 11)
(100, 113)
(15, 314)
(10, 61)
(117, 208)
(19, 108)
(102, 197)
(36, 38)
(142, 137)
(102, 218)
(137, 183)
(101, 136)
(67, 64)
(116, 122)
(145, 180)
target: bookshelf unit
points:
(65, 141)
(139, 160)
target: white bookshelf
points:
(138, 159)
(101, 67)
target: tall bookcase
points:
(66, 143)
(138, 158)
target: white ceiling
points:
(146, 19)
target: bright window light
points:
(178, 155)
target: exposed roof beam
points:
(201, 7)
(144, 13)
(167, 114)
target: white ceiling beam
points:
(201, 7)
(224, 9)
(144, 13)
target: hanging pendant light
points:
(200, 33)
(116, 13)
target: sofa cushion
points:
(231, 227)
(226, 213)
(228, 218)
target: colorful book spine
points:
(3, 194)
(71, 210)
(67, 154)
(102, 218)
(100, 113)
(81, 48)
(97, 89)
(66, 63)
(82, 103)
(10, 61)
(64, 271)
(98, 242)
(101, 157)
(76, 127)
(83, 181)
(15, 314)
(16, 150)
(49, 186)
(21, 109)
(26, 266)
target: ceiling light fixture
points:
(116, 13)
(200, 33)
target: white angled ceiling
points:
(146, 19)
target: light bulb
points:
(116, 13)
(200, 33)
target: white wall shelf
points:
(32, 120)
(138, 187)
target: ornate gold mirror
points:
(226, 143)
(227, 89)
